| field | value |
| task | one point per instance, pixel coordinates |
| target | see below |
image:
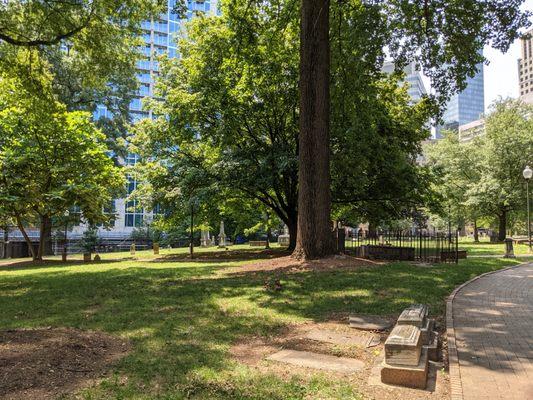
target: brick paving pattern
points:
(493, 321)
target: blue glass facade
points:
(160, 37)
(468, 105)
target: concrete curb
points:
(453, 358)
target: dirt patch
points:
(46, 363)
(254, 351)
(289, 264)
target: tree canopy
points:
(482, 178)
(51, 160)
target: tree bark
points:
(44, 235)
(502, 226)
(293, 232)
(314, 238)
(26, 238)
(6, 239)
(476, 233)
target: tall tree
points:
(231, 108)
(51, 160)
(445, 38)
(482, 178)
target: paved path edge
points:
(456, 391)
(453, 359)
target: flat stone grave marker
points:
(346, 339)
(318, 361)
(369, 322)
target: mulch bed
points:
(46, 363)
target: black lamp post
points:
(528, 173)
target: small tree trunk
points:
(26, 238)
(191, 246)
(314, 237)
(502, 226)
(6, 239)
(44, 234)
(476, 233)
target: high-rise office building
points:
(413, 77)
(160, 37)
(525, 68)
(466, 106)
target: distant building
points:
(525, 68)
(471, 130)
(413, 77)
(159, 37)
(466, 106)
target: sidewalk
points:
(493, 324)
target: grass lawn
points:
(484, 248)
(182, 317)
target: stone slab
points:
(408, 376)
(427, 330)
(318, 361)
(344, 339)
(432, 347)
(403, 346)
(414, 315)
(369, 323)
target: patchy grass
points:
(182, 317)
(485, 248)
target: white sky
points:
(501, 75)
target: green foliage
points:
(51, 159)
(89, 48)
(482, 178)
(90, 239)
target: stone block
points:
(403, 346)
(318, 361)
(408, 376)
(414, 315)
(427, 331)
(432, 348)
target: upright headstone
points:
(132, 249)
(205, 241)
(284, 240)
(156, 248)
(222, 236)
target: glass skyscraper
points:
(160, 37)
(468, 105)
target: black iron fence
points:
(432, 247)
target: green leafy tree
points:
(444, 38)
(51, 160)
(231, 119)
(483, 178)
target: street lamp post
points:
(528, 173)
(64, 255)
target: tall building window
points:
(133, 213)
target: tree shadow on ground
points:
(183, 320)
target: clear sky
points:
(501, 75)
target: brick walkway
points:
(493, 321)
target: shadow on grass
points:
(183, 320)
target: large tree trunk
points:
(315, 238)
(26, 238)
(502, 226)
(44, 236)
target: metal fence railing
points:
(405, 245)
